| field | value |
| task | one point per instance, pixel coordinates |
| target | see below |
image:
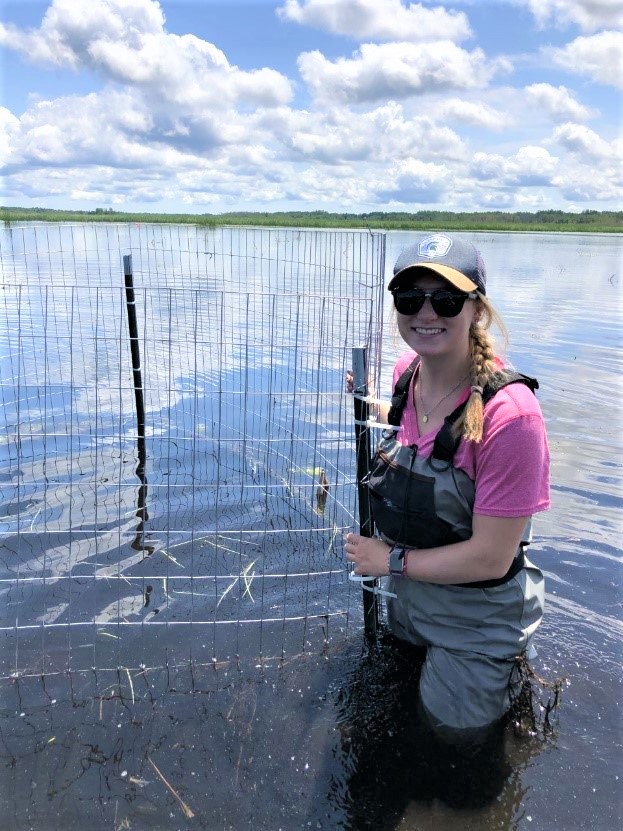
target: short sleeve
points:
(512, 461)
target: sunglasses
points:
(445, 303)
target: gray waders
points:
(474, 632)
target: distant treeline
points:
(593, 221)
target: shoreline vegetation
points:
(551, 220)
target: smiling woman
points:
(453, 486)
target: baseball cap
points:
(454, 259)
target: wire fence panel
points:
(215, 529)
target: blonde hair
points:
(483, 368)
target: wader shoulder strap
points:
(503, 379)
(446, 443)
(401, 393)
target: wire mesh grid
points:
(215, 528)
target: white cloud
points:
(96, 196)
(558, 102)
(378, 19)
(341, 186)
(599, 56)
(9, 130)
(71, 28)
(43, 182)
(395, 70)
(529, 167)
(585, 143)
(234, 177)
(575, 177)
(178, 125)
(475, 113)
(511, 199)
(116, 129)
(587, 14)
(582, 185)
(125, 40)
(514, 199)
(416, 182)
(340, 134)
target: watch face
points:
(396, 557)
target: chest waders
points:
(425, 502)
(473, 631)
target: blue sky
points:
(338, 105)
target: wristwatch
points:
(397, 560)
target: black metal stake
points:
(364, 457)
(138, 542)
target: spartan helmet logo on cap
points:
(434, 246)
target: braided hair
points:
(483, 367)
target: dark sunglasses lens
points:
(447, 304)
(409, 302)
(444, 303)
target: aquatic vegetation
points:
(549, 220)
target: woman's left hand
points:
(368, 554)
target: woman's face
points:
(430, 335)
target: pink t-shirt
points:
(510, 466)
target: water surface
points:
(285, 718)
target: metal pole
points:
(134, 344)
(138, 543)
(364, 456)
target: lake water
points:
(322, 735)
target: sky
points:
(198, 106)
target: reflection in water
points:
(323, 742)
(138, 543)
(235, 397)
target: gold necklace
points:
(425, 416)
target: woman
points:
(452, 491)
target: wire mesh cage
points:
(177, 463)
